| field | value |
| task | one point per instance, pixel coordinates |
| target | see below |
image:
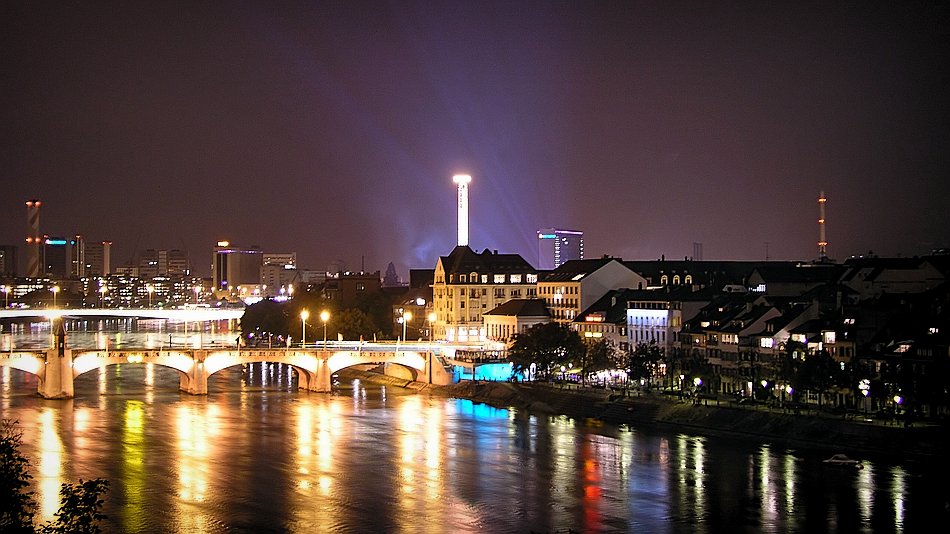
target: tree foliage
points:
(79, 511)
(548, 346)
(16, 501)
(643, 362)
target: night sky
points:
(333, 129)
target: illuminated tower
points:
(822, 243)
(463, 180)
(33, 238)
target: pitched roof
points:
(521, 308)
(463, 259)
(575, 269)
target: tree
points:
(79, 511)
(16, 502)
(642, 363)
(548, 346)
(598, 356)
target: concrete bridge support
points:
(195, 381)
(56, 376)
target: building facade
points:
(556, 246)
(233, 266)
(468, 284)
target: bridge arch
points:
(412, 360)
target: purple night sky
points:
(333, 129)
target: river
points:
(256, 455)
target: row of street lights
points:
(304, 315)
(407, 316)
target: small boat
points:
(843, 460)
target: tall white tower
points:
(822, 242)
(463, 180)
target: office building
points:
(233, 266)
(98, 258)
(557, 246)
(8, 260)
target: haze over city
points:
(333, 129)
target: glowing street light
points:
(102, 296)
(324, 316)
(55, 290)
(150, 289)
(197, 292)
(304, 314)
(6, 296)
(431, 318)
(406, 317)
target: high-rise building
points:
(77, 257)
(8, 260)
(57, 256)
(162, 262)
(98, 258)
(233, 266)
(557, 246)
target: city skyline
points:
(334, 131)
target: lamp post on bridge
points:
(304, 314)
(406, 317)
(55, 290)
(102, 296)
(150, 289)
(6, 296)
(324, 316)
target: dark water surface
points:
(255, 455)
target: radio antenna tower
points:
(822, 242)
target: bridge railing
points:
(481, 356)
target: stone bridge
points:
(58, 367)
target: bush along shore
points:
(807, 429)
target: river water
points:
(255, 455)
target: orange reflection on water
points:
(51, 463)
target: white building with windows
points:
(578, 284)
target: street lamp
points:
(102, 296)
(303, 327)
(324, 316)
(55, 290)
(431, 320)
(406, 317)
(197, 291)
(6, 296)
(150, 290)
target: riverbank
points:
(860, 437)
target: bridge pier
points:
(195, 382)
(56, 376)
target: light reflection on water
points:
(257, 455)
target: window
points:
(499, 279)
(463, 278)
(531, 278)
(664, 280)
(676, 280)
(473, 277)
(484, 278)
(516, 279)
(688, 279)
